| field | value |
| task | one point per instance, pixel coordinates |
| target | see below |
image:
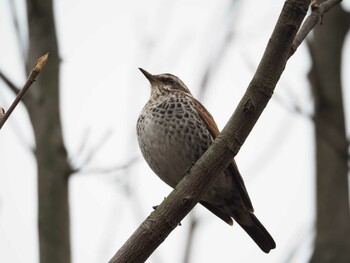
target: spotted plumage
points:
(174, 130)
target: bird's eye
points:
(169, 81)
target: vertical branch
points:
(51, 155)
(190, 237)
(332, 240)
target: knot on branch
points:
(248, 107)
(291, 29)
(233, 143)
(171, 222)
(187, 200)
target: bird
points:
(174, 130)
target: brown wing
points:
(214, 131)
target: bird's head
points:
(165, 83)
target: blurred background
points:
(73, 183)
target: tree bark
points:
(52, 163)
(332, 243)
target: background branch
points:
(203, 174)
(92, 152)
(190, 237)
(113, 169)
(9, 83)
(16, 25)
(326, 47)
(219, 49)
(39, 65)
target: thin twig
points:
(39, 65)
(311, 21)
(93, 152)
(190, 237)
(83, 144)
(17, 28)
(114, 169)
(219, 49)
(9, 83)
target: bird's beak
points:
(149, 76)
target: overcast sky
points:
(102, 44)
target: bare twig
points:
(39, 65)
(219, 49)
(74, 157)
(9, 83)
(118, 168)
(93, 152)
(17, 28)
(190, 237)
(311, 21)
(18, 132)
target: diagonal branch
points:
(39, 65)
(9, 83)
(92, 152)
(154, 230)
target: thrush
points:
(174, 130)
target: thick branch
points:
(33, 74)
(203, 174)
(51, 154)
(332, 228)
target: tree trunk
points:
(332, 243)
(43, 108)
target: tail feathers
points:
(259, 234)
(218, 212)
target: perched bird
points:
(174, 130)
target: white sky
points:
(102, 92)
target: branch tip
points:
(40, 63)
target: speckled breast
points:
(172, 136)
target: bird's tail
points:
(259, 234)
